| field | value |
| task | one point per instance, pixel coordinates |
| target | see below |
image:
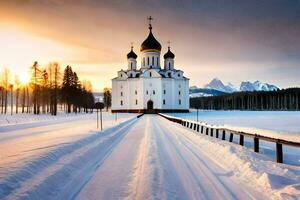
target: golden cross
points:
(131, 43)
(169, 43)
(150, 19)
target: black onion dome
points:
(131, 54)
(169, 54)
(150, 43)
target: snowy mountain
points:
(257, 86)
(217, 87)
(204, 92)
(217, 84)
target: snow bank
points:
(277, 124)
(72, 163)
(253, 169)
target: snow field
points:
(145, 158)
(61, 172)
(280, 181)
(277, 124)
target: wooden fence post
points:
(279, 154)
(206, 131)
(231, 137)
(256, 144)
(223, 135)
(242, 140)
(211, 132)
(217, 133)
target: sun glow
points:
(24, 78)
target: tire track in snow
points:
(139, 187)
(64, 171)
(196, 165)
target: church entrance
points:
(150, 105)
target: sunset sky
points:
(234, 40)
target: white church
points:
(150, 88)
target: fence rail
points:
(221, 134)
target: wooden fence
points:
(221, 134)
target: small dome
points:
(150, 43)
(169, 54)
(131, 54)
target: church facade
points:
(150, 88)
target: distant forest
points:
(285, 99)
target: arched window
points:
(164, 101)
(153, 91)
(130, 65)
(121, 103)
(157, 61)
(135, 92)
(169, 65)
(121, 93)
(147, 92)
(152, 60)
(169, 74)
(164, 91)
(150, 74)
(148, 61)
(136, 102)
(179, 101)
(179, 93)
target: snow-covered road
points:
(148, 158)
(156, 161)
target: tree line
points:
(46, 90)
(285, 99)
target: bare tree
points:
(11, 88)
(5, 84)
(18, 88)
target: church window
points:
(121, 75)
(130, 65)
(147, 92)
(153, 91)
(152, 60)
(144, 61)
(179, 102)
(150, 74)
(121, 103)
(164, 91)
(179, 92)
(148, 61)
(164, 101)
(121, 93)
(157, 61)
(169, 65)
(169, 74)
(135, 92)
(130, 75)
(136, 102)
(178, 75)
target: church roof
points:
(150, 43)
(131, 54)
(169, 54)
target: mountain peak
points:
(257, 85)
